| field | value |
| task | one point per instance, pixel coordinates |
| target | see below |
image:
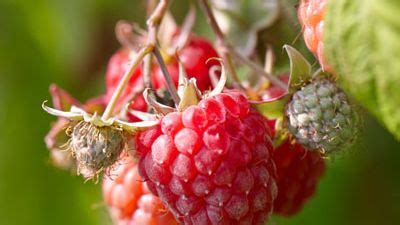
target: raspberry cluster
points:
(211, 163)
(209, 157)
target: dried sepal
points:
(150, 99)
(142, 115)
(55, 112)
(219, 87)
(136, 126)
(188, 92)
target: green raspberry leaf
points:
(362, 45)
(300, 69)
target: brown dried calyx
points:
(95, 148)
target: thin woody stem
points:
(146, 66)
(153, 22)
(170, 84)
(228, 48)
(146, 69)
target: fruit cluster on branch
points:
(177, 143)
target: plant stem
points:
(227, 47)
(146, 66)
(152, 23)
(170, 84)
(124, 81)
(146, 70)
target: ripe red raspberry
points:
(211, 163)
(129, 200)
(298, 174)
(193, 56)
(311, 16)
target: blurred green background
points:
(69, 43)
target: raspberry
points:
(95, 148)
(321, 117)
(211, 175)
(193, 56)
(129, 199)
(298, 174)
(311, 15)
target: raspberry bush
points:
(177, 142)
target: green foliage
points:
(362, 44)
(300, 69)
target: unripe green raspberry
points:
(321, 117)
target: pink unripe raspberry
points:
(311, 15)
(129, 200)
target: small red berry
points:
(129, 200)
(213, 176)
